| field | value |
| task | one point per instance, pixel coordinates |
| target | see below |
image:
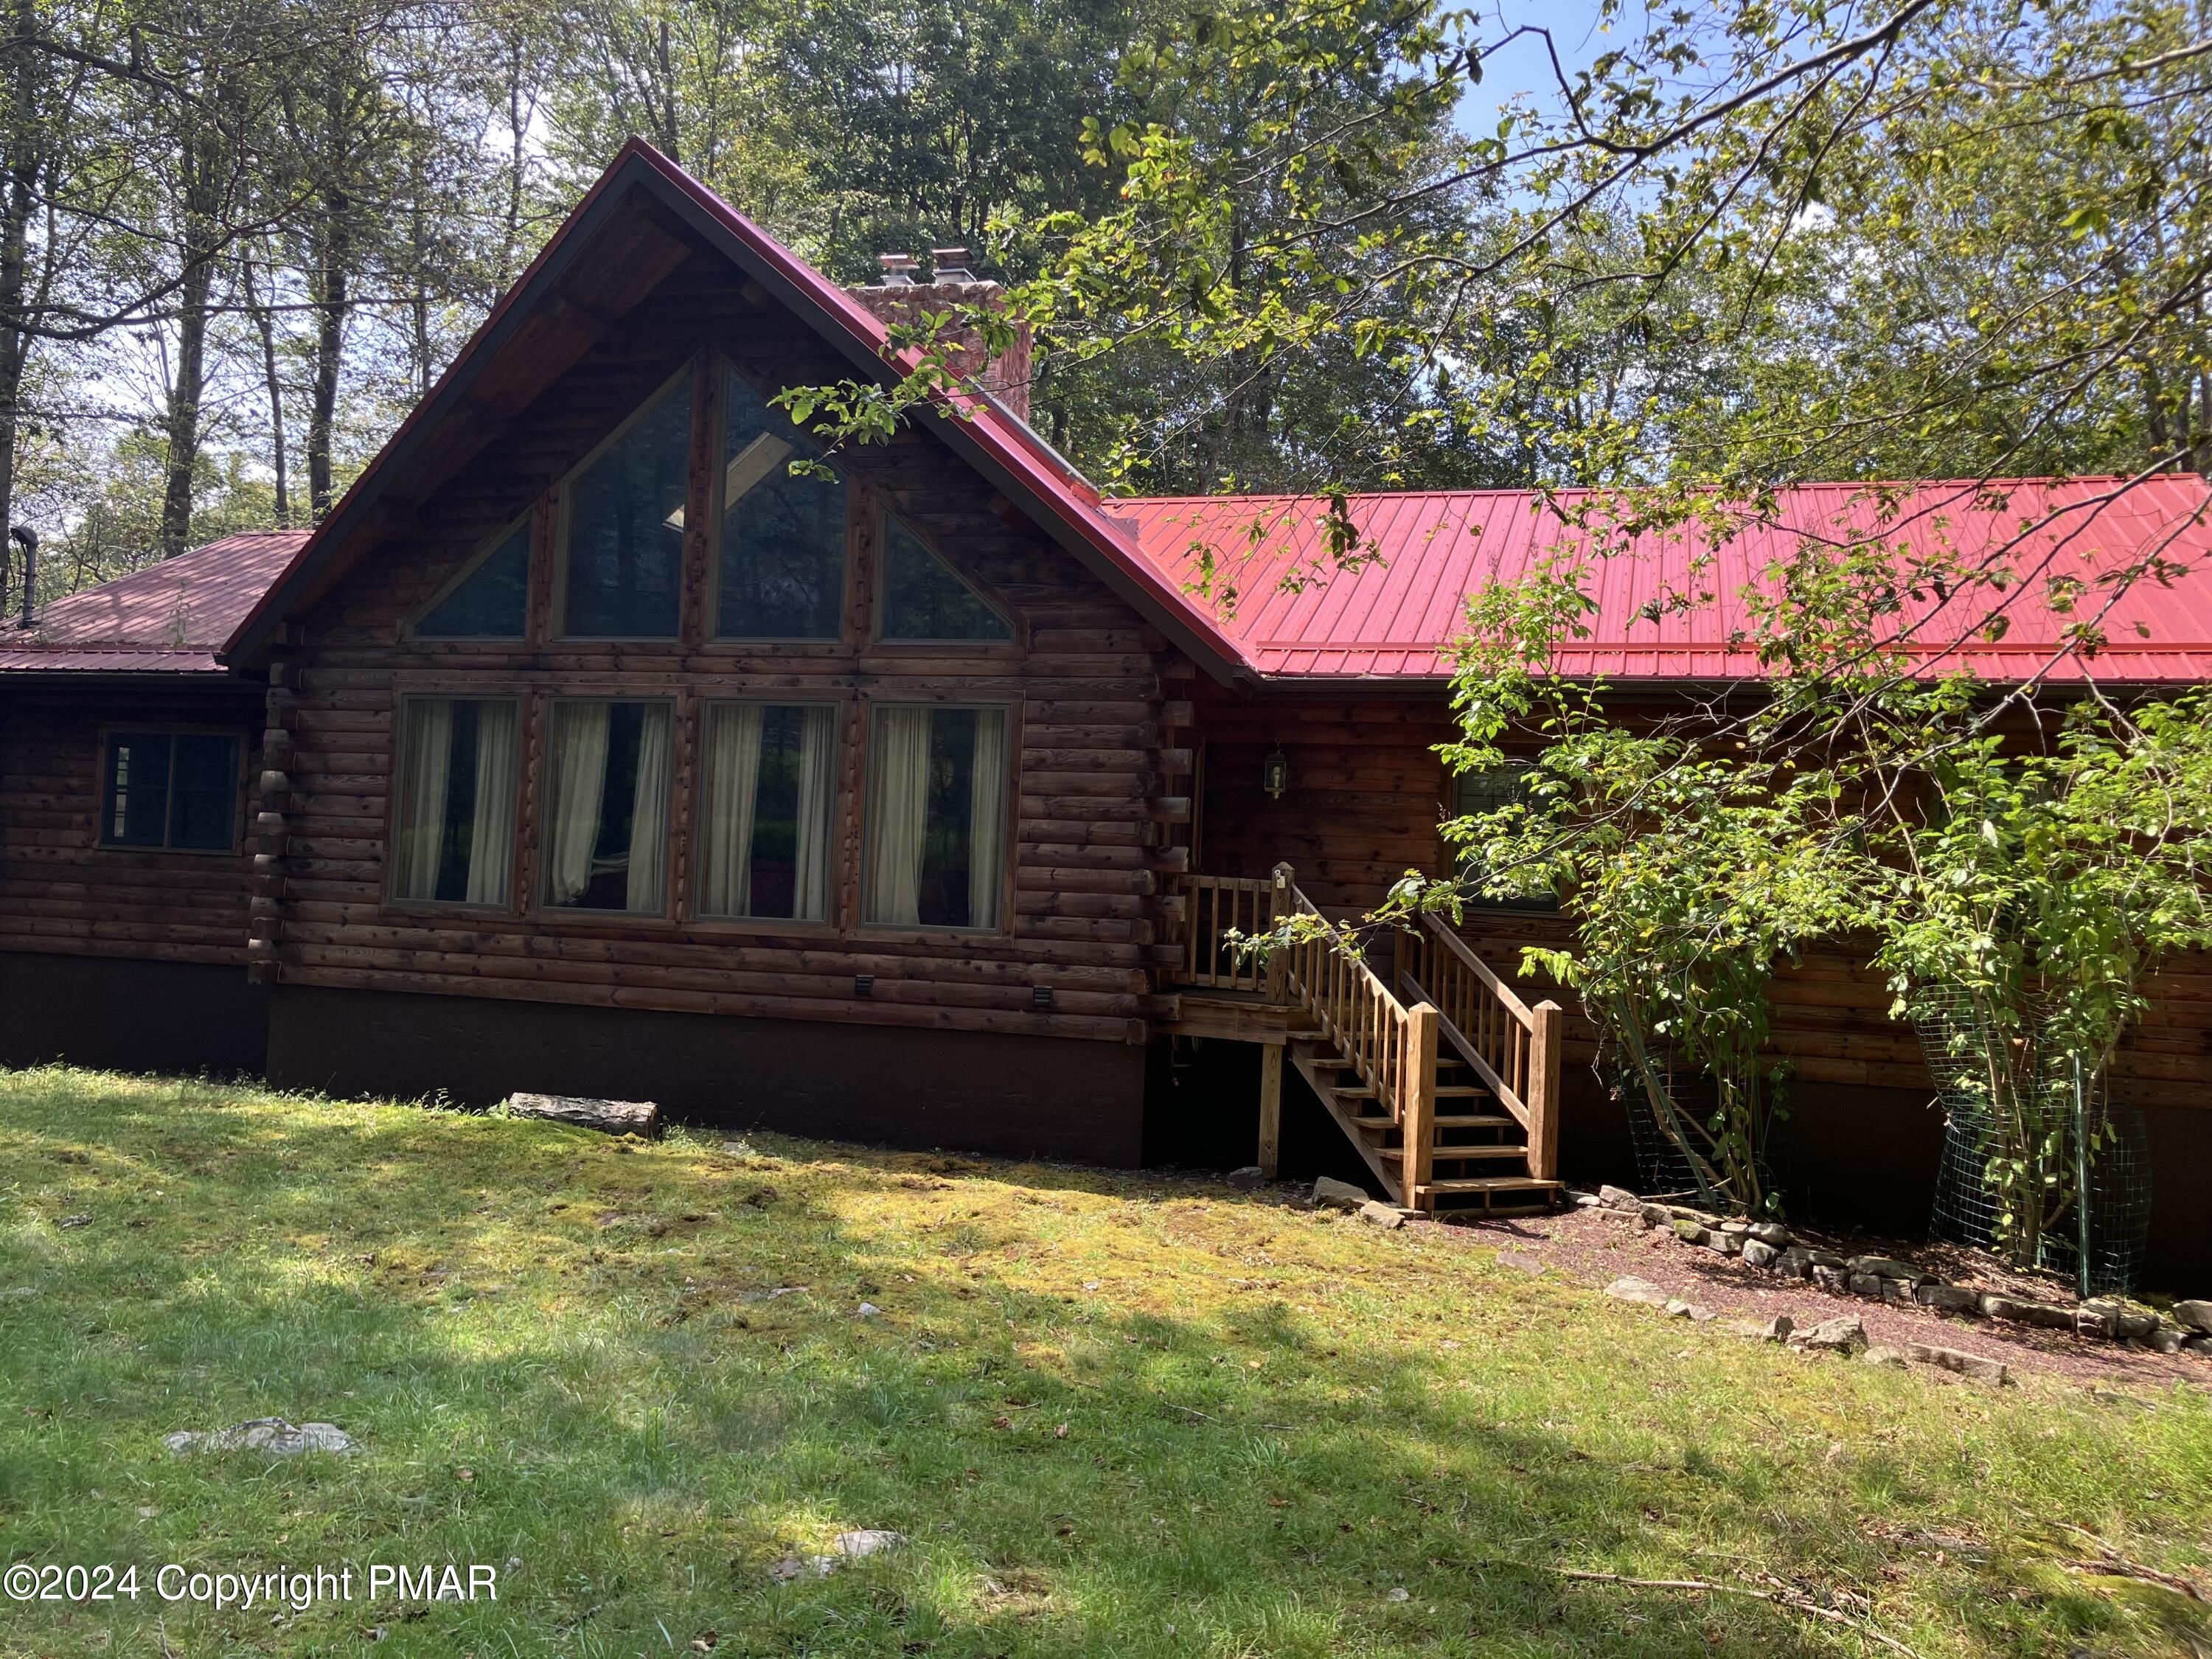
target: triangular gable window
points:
(622, 519)
(925, 600)
(489, 603)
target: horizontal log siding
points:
(1366, 792)
(1085, 682)
(61, 891)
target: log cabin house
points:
(587, 747)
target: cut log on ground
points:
(615, 1117)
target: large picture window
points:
(622, 522)
(606, 837)
(781, 574)
(765, 831)
(936, 816)
(456, 842)
(175, 789)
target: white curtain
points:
(818, 799)
(580, 766)
(491, 839)
(423, 835)
(649, 823)
(987, 819)
(898, 802)
(733, 756)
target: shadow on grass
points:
(575, 1357)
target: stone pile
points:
(1769, 1247)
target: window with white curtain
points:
(456, 841)
(765, 828)
(606, 828)
(937, 811)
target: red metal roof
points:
(169, 618)
(1293, 614)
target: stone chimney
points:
(897, 297)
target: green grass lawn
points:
(1115, 1415)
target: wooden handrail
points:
(1391, 1047)
(1213, 908)
(1514, 1048)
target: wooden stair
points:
(1479, 1153)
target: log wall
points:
(1366, 793)
(60, 889)
(1090, 685)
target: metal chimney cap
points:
(898, 269)
(952, 265)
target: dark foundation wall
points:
(130, 1016)
(978, 1091)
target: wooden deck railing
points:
(1391, 1047)
(1513, 1048)
(1214, 907)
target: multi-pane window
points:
(456, 831)
(765, 830)
(177, 789)
(489, 603)
(924, 599)
(936, 812)
(622, 524)
(782, 569)
(606, 831)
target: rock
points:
(1654, 1215)
(614, 1117)
(1247, 1178)
(1638, 1290)
(869, 1310)
(1795, 1262)
(2095, 1324)
(2194, 1315)
(1834, 1280)
(1692, 1232)
(1737, 1227)
(1897, 1290)
(1776, 1329)
(274, 1436)
(1770, 1233)
(2047, 1315)
(1619, 1198)
(1842, 1334)
(1947, 1298)
(74, 1221)
(1330, 1193)
(1400, 1594)
(1585, 1200)
(853, 1545)
(1701, 1315)
(2167, 1339)
(1525, 1262)
(1677, 1308)
(1758, 1253)
(1726, 1243)
(1826, 1259)
(1883, 1354)
(1376, 1213)
(1882, 1266)
(1867, 1284)
(2197, 1345)
(1992, 1371)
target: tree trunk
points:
(265, 323)
(189, 380)
(332, 285)
(26, 157)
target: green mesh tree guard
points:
(2039, 1126)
